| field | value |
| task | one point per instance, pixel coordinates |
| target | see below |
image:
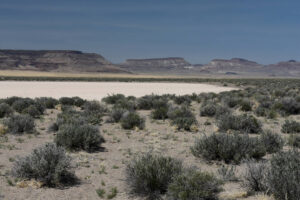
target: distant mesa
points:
(77, 61)
(56, 60)
(156, 64)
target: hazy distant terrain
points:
(77, 61)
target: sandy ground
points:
(98, 90)
(108, 167)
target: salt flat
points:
(98, 90)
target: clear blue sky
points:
(266, 31)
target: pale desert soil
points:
(109, 166)
(98, 90)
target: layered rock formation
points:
(156, 64)
(55, 60)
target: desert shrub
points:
(283, 176)
(150, 174)
(21, 104)
(185, 99)
(290, 127)
(184, 123)
(227, 173)
(222, 110)
(32, 111)
(18, 124)
(246, 123)
(5, 110)
(77, 101)
(149, 102)
(11, 100)
(66, 101)
(261, 111)
(94, 111)
(246, 105)
(229, 148)
(47, 102)
(208, 110)
(113, 99)
(272, 142)
(131, 120)
(182, 117)
(160, 113)
(294, 140)
(94, 106)
(116, 114)
(290, 106)
(254, 178)
(77, 137)
(127, 104)
(48, 164)
(194, 185)
(232, 101)
(68, 116)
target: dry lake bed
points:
(98, 90)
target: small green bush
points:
(283, 176)
(131, 120)
(146, 102)
(184, 123)
(150, 174)
(77, 101)
(113, 99)
(11, 100)
(47, 102)
(21, 104)
(290, 106)
(94, 106)
(232, 101)
(185, 99)
(227, 173)
(290, 127)
(245, 123)
(194, 185)
(32, 111)
(66, 101)
(272, 142)
(208, 110)
(116, 114)
(160, 113)
(182, 117)
(229, 148)
(254, 178)
(5, 110)
(79, 137)
(48, 164)
(94, 111)
(294, 140)
(246, 105)
(19, 124)
(68, 116)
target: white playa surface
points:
(98, 90)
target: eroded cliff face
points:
(55, 60)
(232, 65)
(155, 64)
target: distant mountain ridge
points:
(56, 60)
(155, 64)
(77, 61)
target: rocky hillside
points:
(55, 60)
(234, 65)
(156, 64)
(239, 66)
(288, 68)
